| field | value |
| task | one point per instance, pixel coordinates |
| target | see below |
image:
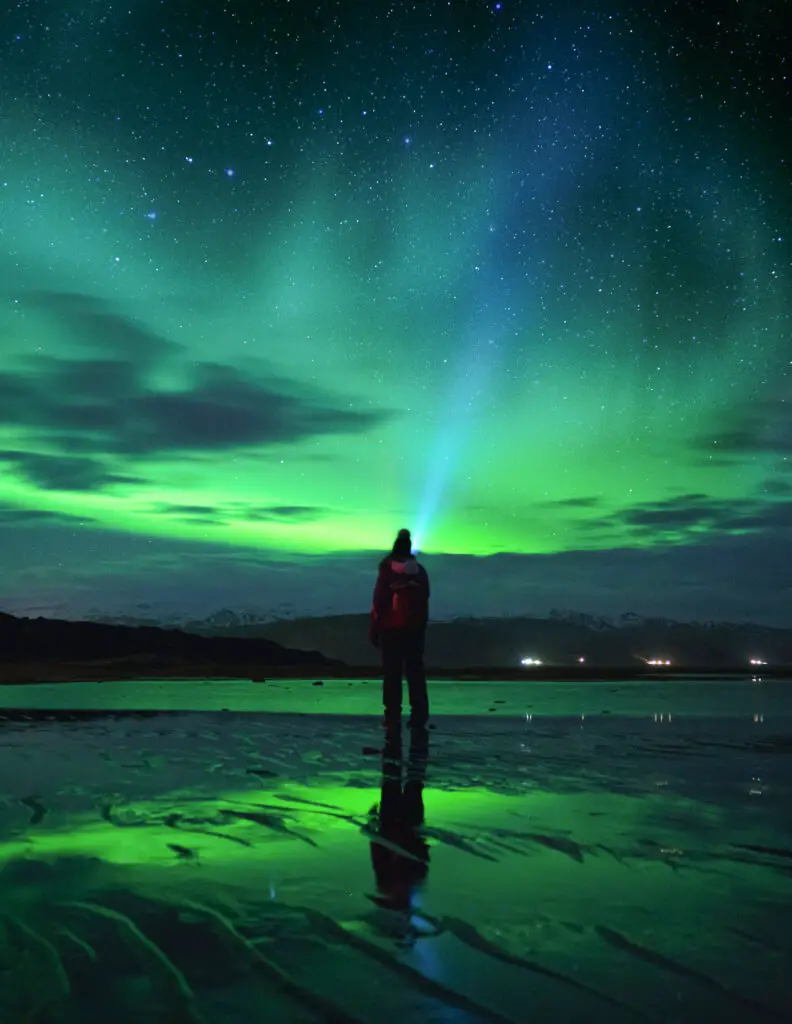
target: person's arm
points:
(376, 609)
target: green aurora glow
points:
(247, 309)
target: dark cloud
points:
(763, 426)
(203, 520)
(776, 487)
(216, 514)
(14, 392)
(65, 472)
(591, 502)
(187, 510)
(676, 513)
(118, 379)
(10, 516)
(275, 512)
(197, 515)
(220, 409)
(770, 516)
(224, 408)
(90, 322)
(693, 515)
(112, 407)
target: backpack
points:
(410, 605)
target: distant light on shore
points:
(758, 661)
(657, 661)
(530, 661)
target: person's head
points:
(402, 546)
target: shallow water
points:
(698, 696)
(614, 852)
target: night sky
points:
(279, 278)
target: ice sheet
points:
(587, 853)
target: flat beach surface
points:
(614, 852)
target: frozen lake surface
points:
(571, 852)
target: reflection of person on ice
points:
(399, 614)
(399, 852)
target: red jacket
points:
(401, 596)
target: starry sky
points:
(279, 279)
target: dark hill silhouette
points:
(47, 641)
(560, 639)
(32, 649)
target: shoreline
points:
(123, 670)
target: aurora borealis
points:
(278, 279)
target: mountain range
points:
(561, 638)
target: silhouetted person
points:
(401, 865)
(399, 614)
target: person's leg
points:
(416, 677)
(392, 659)
(412, 799)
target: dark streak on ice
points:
(183, 852)
(650, 956)
(419, 981)
(771, 851)
(269, 821)
(34, 804)
(452, 839)
(319, 809)
(472, 937)
(288, 797)
(560, 845)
